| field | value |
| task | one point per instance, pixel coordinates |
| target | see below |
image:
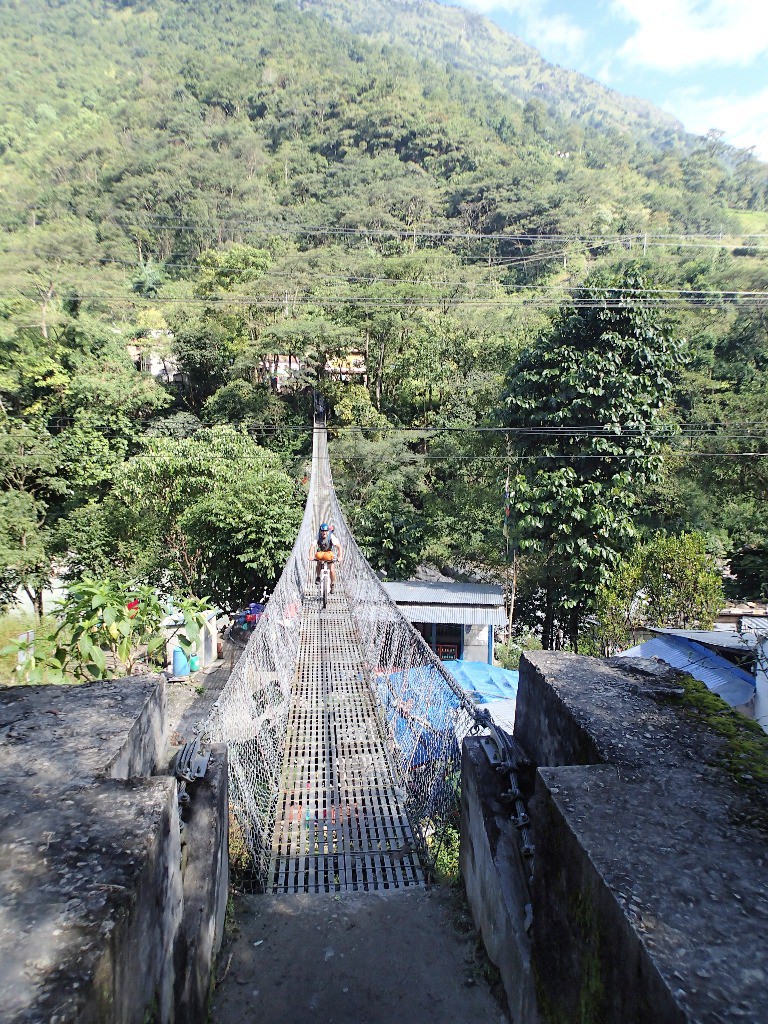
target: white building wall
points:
(476, 643)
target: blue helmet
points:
(324, 527)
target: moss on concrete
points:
(744, 755)
(592, 988)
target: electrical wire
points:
(594, 431)
(651, 299)
(405, 233)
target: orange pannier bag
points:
(324, 556)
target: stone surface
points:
(650, 888)
(205, 881)
(495, 876)
(386, 957)
(79, 851)
(101, 920)
(74, 927)
(50, 735)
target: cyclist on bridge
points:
(325, 548)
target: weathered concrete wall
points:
(650, 890)
(135, 969)
(205, 882)
(94, 902)
(492, 878)
(142, 750)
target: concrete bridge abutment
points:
(105, 916)
(650, 881)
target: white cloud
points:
(554, 32)
(539, 28)
(673, 35)
(743, 119)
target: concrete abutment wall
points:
(104, 916)
(650, 885)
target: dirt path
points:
(403, 957)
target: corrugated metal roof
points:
(454, 614)
(726, 639)
(755, 623)
(717, 674)
(421, 592)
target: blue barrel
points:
(180, 663)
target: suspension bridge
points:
(344, 730)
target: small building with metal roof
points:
(456, 619)
(739, 616)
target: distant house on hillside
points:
(739, 616)
(152, 354)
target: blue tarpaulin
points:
(421, 709)
(484, 683)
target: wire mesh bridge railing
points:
(343, 728)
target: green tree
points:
(106, 628)
(669, 582)
(31, 485)
(584, 406)
(390, 533)
(25, 561)
(213, 514)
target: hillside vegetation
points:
(217, 183)
(462, 39)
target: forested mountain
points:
(465, 40)
(217, 183)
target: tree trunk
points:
(379, 375)
(549, 621)
(512, 590)
(573, 628)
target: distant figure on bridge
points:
(325, 548)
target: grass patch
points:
(242, 868)
(12, 624)
(443, 846)
(752, 222)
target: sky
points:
(704, 61)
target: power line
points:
(482, 262)
(291, 273)
(405, 233)
(501, 460)
(595, 432)
(539, 296)
(667, 453)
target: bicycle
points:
(325, 583)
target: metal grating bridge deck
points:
(340, 823)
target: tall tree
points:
(669, 582)
(212, 515)
(584, 407)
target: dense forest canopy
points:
(260, 201)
